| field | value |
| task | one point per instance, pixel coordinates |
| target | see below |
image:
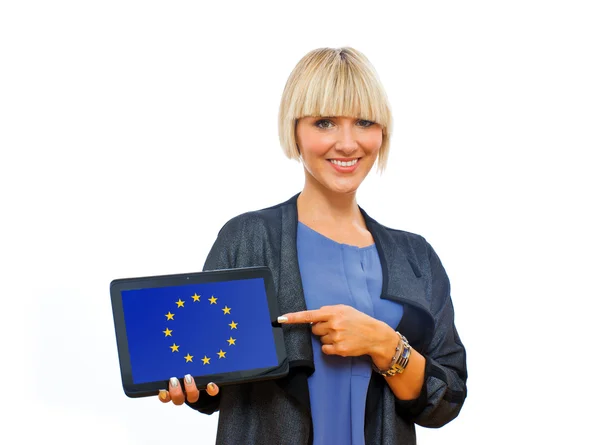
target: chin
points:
(342, 188)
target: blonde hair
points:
(334, 82)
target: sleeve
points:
(219, 257)
(445, 386)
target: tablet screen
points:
(198, 329)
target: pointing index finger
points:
(313, 316)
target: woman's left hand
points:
(348, 332)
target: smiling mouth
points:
(344, 163)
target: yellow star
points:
(167, 332)
(196, 297)
(206, 361)
(231, 341)
(226, 310)
(169, 316)
(180, 303)
(213, 300)
(174, 348)
(233, 325)
(221, 353)
(188, 358)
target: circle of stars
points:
(195, 299)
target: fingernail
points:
(188, 378)
(282, 319)
(174, 382)
(162, 394)
(211, 386)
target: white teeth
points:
(343, 163)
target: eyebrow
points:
(336, 117)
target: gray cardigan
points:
(278, 411)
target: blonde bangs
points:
(343, 92)
(333, 82)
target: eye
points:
(323, 123)
(365, 123)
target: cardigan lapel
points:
(290, 296)
(290, 293)
(404, 283)
(401, 278)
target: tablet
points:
(219, 326)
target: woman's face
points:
(338, 152)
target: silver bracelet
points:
(400, 359)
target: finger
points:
(328, 349)
(212, 389)
(163, 396)
(313, 316)
(191, 390)
(338, 349)
(321, 328)
(327, 339)
(175, 391)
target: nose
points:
(346, 143)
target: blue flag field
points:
(198, 329)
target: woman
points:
(368, 319)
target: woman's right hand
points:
(176, 394)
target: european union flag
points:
(198, 329)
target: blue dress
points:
(335, 273)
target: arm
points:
(445, 371)
(432, 389)
(408, 384)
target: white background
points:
(132, 131)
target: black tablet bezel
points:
(152, 388)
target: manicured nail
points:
(162, 394)
(282, 319)
(212, 386)
(174, 382)
(188, 378)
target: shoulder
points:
(248, 239)
(408, 241)
(405, 237)
(256, 221)
(414, 247)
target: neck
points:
(318, 204)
